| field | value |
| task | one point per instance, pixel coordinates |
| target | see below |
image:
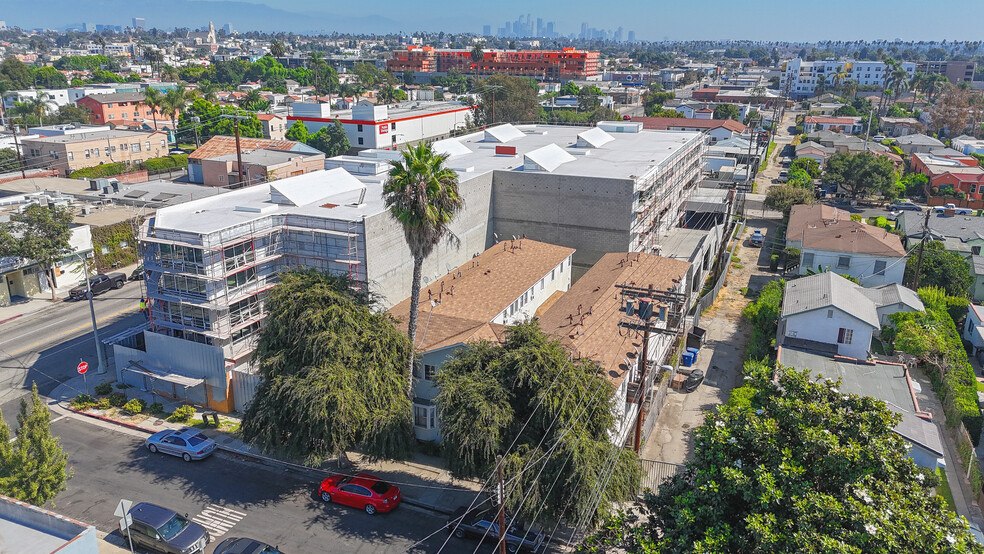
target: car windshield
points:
(380, 487)
(268, 550)
(197, 439)
(173, 526)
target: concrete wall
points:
(389, 265)
(596, 220)
(816, 326)
(78, 537)
(862, 266)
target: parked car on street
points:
(187, 442)
(138, 274)
(484, 523)
(234, 545)
(758, 239)
(956, 210)
(99, 283)
(879, 138)
(364, 491)
(162, 530)
(902, 206)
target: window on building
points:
(844, 336)
(393, 126)
(429, 372)
(541, 284)
(843, 262)
(241, 278)
(147, 145)
(880, 267)
(123, 115)
(246, 332)
(359, 128)
(87, 154)
(71, 156)
(975, 250)
(135, 147)
(96, 152)
(185, 258)
(109, 105)
(424, 416)
(183, 284)
(830, 314)
(360, 140)
(808, 259)
(244, 310)
(239, 255)
(163, 143)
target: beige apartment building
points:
(70, 152)
(259, 166)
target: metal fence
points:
(656, 402)
(705, 301)
(655, 473)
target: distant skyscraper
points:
(617, 37)
(139, 23)
(584, 31)
(539, 26)
(88, 27)
(486, 30)
(631, 36)
(508, 28)
(228, 29)
(550, 29)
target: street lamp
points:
(101, 368)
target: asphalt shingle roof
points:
(823, 227)
(828, 290)
(960, 227)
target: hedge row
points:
(763, 314)
(112, 237)
(153, 165)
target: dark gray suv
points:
(163, 530)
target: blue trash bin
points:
(687, 358)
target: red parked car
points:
(364, 491)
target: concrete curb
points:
(260, 459)
(11, 318)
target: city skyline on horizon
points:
(649, 22)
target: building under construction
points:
(554, 65)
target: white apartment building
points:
(211, 262)
(804, 76)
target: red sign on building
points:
(384, 128)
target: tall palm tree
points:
(850, 88)
(916, 84)
(207, 90)
(154, 100)
(174, 103)
(422, 194)
(897, 81)
(35, 106)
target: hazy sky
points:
(651, 20)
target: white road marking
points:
(218, 519)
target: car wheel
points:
(118, 285)
(511, 547)
(325, 496)
(152, 448)
(370, 509)
(459, 532)
(186, 457)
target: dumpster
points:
(696, 337)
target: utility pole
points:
(101, 369)
(922, 246)
(643, 362)
(239, 152)
(868, 130)
(195, 121)
(20, 159)
(502, 507)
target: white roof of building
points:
(502, 133)
(593, 138)
(305, 189)
(547, 158)
(450, 148)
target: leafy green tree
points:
(277, 49)
(330, 139)
(798, 177)
(812, 167)
(334, 374)
(846, 110)
(103, 76)
(175, 101)
(860, 174)
(49, 77)
(570, 88)
(297, 132)
(33, 466)
(71, 113)
(659, 111)
(212, 122)
(751, 117)
(506, 99)
(454, 82)
(16, 73)
(807, 469)
(33, 109)
(725, 111)
(782, 198)
(388, 94)
(940, 268)
(488, 392)
(254, 101)
(8, 160)
(915, 184)
(41, 234)
(207, 90)
(422, 195)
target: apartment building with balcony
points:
(803, 77)
(120, 106)
(211, 262)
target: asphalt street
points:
(274, 506)
(45, 346)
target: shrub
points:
(116, 399)
(182, 414)
(763, 314)
(103, 389)
(774, 262)
(103, 404)
(155, 408)
(134, 406)
(741, 397)
(83, 402)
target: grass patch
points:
(944, 490)
(754, 187)
(735, 259)
(768, 154)
(738, 266)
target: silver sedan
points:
(187, 442)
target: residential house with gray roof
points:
(918, 142)
(961, 234)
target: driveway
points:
(722, 356)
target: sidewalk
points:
(41, 302)
(423, 480)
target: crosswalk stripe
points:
(218, 519)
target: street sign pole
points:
(83, 368)
(123, 512)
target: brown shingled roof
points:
(482, 289)
(664, 123)
(600, 337)
(826, 228)
(222, 145)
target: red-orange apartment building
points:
(568, 63)
(120, 106)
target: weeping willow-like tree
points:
(334, 374)
(563, 456)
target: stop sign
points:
(83, 367)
